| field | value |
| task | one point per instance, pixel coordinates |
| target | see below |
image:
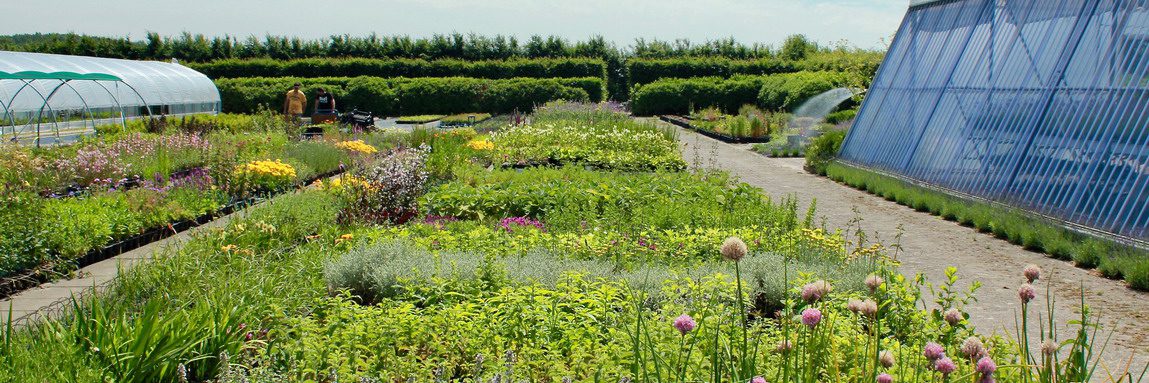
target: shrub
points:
(395, 96)
(391, 188)
(823, 150)
(788, 91)
(324, 67)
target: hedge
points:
(774, 92)
(407, 96)
(645, 71)
(411, 68)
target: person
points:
(294, 103)
(324, 102)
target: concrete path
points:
(50, 299)
(930, 244)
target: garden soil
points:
(931, 244)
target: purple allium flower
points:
(954, 316)
(815, 291)
(1049, 347)
(1026, 293)
(733, 249)
(684, 323)
(811, 316)
(874, 282)
(945, 366)
(854, 305)
(758, 379)
(869, 308)
(783, 347)
(1032, 273)
(933, 351)
(885, 378)
(886, 358)
(972, 348)
(986, 366)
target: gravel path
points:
(930, 244)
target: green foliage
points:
(788, 91)
(412, 96)
(411, 68)
(773, 92)
(841, 116)
(797, 47)
(823, 150)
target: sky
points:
(859, 23)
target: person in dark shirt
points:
(324, 102)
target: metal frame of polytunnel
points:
(27, 77)
(78, 93)
(1038, 105)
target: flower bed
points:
(546, 275)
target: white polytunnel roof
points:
(89, 85)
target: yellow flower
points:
(481, 145)
(228, 248)
(357, 146)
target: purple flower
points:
(733, 249)
(1026, 293)
(511, 223)
(953, 316)
(1032, 273)
(815, 291)
(758, 379)
(945, 366)
(933, 351)
(885, 378)
(811, 316)
(986, 366)
(873, 282)
(684, 323)
(972, 348)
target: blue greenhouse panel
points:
(1042, 105)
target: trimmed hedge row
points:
(412, 96)
(774, 92)
(411, 68)
(645, 71)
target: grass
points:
(420, 119)
(465, 118)
(1113, 260)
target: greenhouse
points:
(47, 98)
(1040, 105)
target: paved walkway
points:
(50, 298)
(930, 244)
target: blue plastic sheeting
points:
(1038, 104)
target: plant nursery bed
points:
(685, 123)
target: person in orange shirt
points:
(295, 101)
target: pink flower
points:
(873, 282)
(1026, 293)
(1032, 273)
(811, 317)
(885, 378)
(953, 317)
(815, 291)
(972, 348)
(986, 366)
(933, 351)
(945, 366)
(684, 323)
(758, 379)
(733, 249)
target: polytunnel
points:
(48, 98)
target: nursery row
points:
(62, 203)
(412, 96)
(645, 71)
